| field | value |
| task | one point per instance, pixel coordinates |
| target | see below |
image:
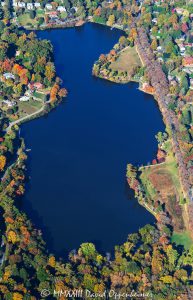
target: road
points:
(21, 120)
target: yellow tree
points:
(49, 71)
(111, 20)
(52, 261)
(133, 33)
(17, 296)
(154, 44)
(12, 237)
(2, 162)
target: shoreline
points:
(34, 116)
(156, 257)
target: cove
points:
(77, 192)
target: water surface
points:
(77, 192)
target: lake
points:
(77, 191)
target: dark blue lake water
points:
(78, 192)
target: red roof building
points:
(188, 61)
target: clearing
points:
(128, 60)
(161, 182)
(28, 107)
(182, 239)
(25, 19)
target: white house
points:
(9, 76)
(30, 6)
(9, 103)
(48, 6)
(24, 98)
(160, 59)
(18, 52)
(75, 8)
(61, 9)
(191, 83)
(15, 3)
(154, 20)
(159, 49)
(179, 10)
(21, 4)
(182, 48)
(37, 4)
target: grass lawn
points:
(39, 95)
(182, 239)
(25, 19)
(28, 107)
(148, 187)
(40, 13)
(161, 182)
(164, 178)
(127, 60)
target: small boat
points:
(28, 150)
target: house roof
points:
(188, 61)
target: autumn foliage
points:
(2, 162)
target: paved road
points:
(26, 117)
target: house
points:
(18, 52)
(74, 8)
(188, 61)
(28, 93)
(154, 20)
(30, 6)
(191, 83)
(182, 49)
(53, 14)
(48, 6)
(9, 103)
(61, 9)
(173, 82)
(21, 4)
(15, 3)
(170, 77)
(37, 4)
(107, 3)
(179, 10)
(9, 76)
(188, 70)
(159, 49)
(188, 44)
(24, 99)
(37, 85)
(160, 59)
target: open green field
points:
(25, 19)
(127, 61)
(40, 96)
(161, 182)
(182, 239)
(29, 107)
(163, 177)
